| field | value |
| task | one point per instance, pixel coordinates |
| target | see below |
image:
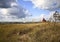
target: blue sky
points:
(36, 12)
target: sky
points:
(41, 8)
(36, 12)
(27, 10)
(10, 11)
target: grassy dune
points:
(34, 32)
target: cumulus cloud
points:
(46, 4)
(11, 11)
(6, 3)
(26, 0)
(39, 18)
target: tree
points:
(43, 20)
(56, 16)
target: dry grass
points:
(36, 32)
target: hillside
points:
(34, 32)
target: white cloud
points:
(39, 18)
(26, 0)
(46, 4)
(13, 13)
(5, 11)
(50, 16)
(13, 4)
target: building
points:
(43, 20)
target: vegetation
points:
(55, 17)
(34, 32)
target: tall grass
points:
(37, 32)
